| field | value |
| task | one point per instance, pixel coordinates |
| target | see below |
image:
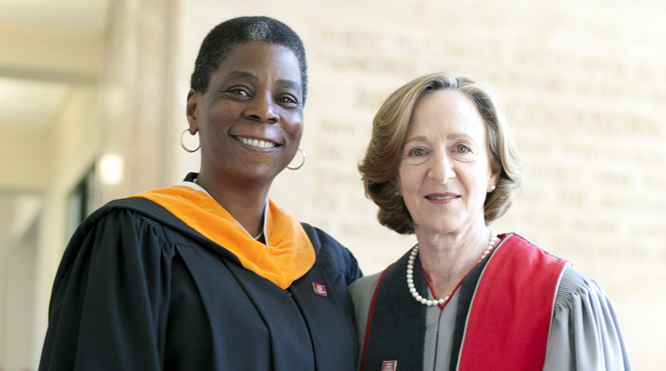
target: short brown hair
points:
(379, 168)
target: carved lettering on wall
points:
(579, 120)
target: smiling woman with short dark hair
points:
(211, 274)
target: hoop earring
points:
(182, 144)
(302, 163)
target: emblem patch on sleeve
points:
(389, 365)
(319, 289)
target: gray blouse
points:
(584, 335)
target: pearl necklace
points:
(492, 241)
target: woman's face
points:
(445, 171)
(250, 118)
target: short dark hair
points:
(227, 35)
(379, 168)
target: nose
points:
(261, 108)
(441, 168)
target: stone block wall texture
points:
(584, 84)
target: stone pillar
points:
(136, 88)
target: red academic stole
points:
(504, 313)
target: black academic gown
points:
(138, 289)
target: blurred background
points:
(92, 104)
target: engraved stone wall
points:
(585, 86)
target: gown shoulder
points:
(585, 333)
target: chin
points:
(251, 176)
(437, 228)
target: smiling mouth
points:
(257, 142)
(443, 198)
(440, 197)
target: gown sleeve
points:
(106, 306)
(585, 334)
(352, 270)
(361, 292)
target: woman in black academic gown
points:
(210, 274)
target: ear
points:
(396, 182)
(496, 170)
(192, 110)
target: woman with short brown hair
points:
(441, 164)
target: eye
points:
(416, 152)
(240, 92)
(235, 92)
(461, 149)
(417, 155)
(288, 101)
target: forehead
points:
(261, 59)
(446, 112)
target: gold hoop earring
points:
(182, 143)
(302, 163)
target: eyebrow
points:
(289, 84)
(243, 75)
(251, 76)
(459, 136)
(450, 137)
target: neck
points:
(245, 203)
(447, 258)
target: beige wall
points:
(74, 138)
(136, 94)
(17, 266)
(584, 83)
